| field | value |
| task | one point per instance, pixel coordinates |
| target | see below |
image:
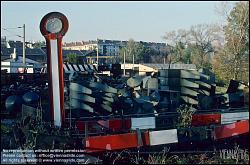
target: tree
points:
(177, 40)
(234, 58)
(193, 45)
(133, 50)
(72, 58)
(202, 37)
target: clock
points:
(53, 25)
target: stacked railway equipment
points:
(140, 111)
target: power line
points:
(14, 28)
(12, 33)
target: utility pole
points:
(24, 44)
(124, 62)
(133, 60)
(97, 53)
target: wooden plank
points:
(203, 84)
(80, 88)
(81, 67)
(189, 100)
(188, 91)
(195, 72)
(82, 97)
(75, 67)
(205, 119)
(86, 67)
(229, 130)
(76, 104)
(134, 81)
(205, 77)
(102, 87)
(163, 137)
(108, 99)
(106, 107)
(188, 74)
(110, 94)
(107, 103)
(143, 123)
(204, 92)
(227, 118)
(70, 67)
(186, 83)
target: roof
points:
(20, 60)
(36, 54)
(77, 52)
(172, 66)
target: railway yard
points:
(165, 116)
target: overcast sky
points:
(142, 21)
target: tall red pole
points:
(53, 27)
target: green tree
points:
(233, 59)
(72, 58)
(133, 50)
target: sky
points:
(117, 20)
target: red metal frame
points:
(233, 129)
(115, 142)
(205, 119)
(116, 124)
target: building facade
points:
(108, 47)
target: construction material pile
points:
(164, 91)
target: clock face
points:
(54, 25)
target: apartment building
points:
(108, 47)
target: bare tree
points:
(202, 38)
(177, 41)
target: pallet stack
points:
(233, 98)
(93, 97)
(189, 83)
